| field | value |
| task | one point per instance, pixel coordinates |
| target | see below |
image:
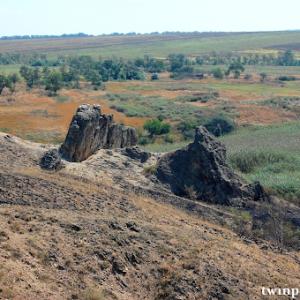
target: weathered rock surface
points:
(137, 154)
(91, 130)
(200, 171)
(51, 160)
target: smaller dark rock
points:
(118, 266)
(132, 226)
(51, 160)
(136, 153)
(115, 226)
(75, 227)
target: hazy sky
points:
(19, 17)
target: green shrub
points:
(286, 78)
(218, 73)
(219, 125)
(157, 127)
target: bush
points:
(218, 73)
(286, 78)
(154, 76)
(157, 127)
(219, 125)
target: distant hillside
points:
(159, 45)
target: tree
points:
(236, 68)
(287, 58)
(263, 77)
(32, 76)
(219, 125)
(156, 127)
(53, 82)
(218, 73)
(154, 76)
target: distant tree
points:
(219, 125)
(177, 61)
(53, 82)
(287, 58)
(5, 82)
(236, 68)
(154, 76)
(31, 76)
(218, 73)
(263, 77)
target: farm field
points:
(154, 45)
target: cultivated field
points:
(154, 45)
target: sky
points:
(22, 17)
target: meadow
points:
(265, 143)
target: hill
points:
(69, 235)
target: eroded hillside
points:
(79, 234)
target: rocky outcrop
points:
(91, 130)
(200, 171)
(51, 160)
(137, 154)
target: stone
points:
(90, 130)
(200, 171)
(136, 153)
(51, 160)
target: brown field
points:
(35, 116)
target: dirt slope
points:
(77, 234)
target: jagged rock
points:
(90, 130)
(200, 171)
(51, 160)
(137, 154)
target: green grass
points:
(166, 147)
(9, 69)
(270, 155)
(134, 105)
(192, 45)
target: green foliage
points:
(287, 58)
(8, 81)
(249, 161)
(154, 76)
(220, 125)
(287, 78)
(157, 127)
(218, 73)
(236, 68)
(180, 66)
(269, 155)
(32, 76)
(53, 82)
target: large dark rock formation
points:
(200, 171)
(91, 130)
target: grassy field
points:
(9, 69)
(270, 155)
(154, 45)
